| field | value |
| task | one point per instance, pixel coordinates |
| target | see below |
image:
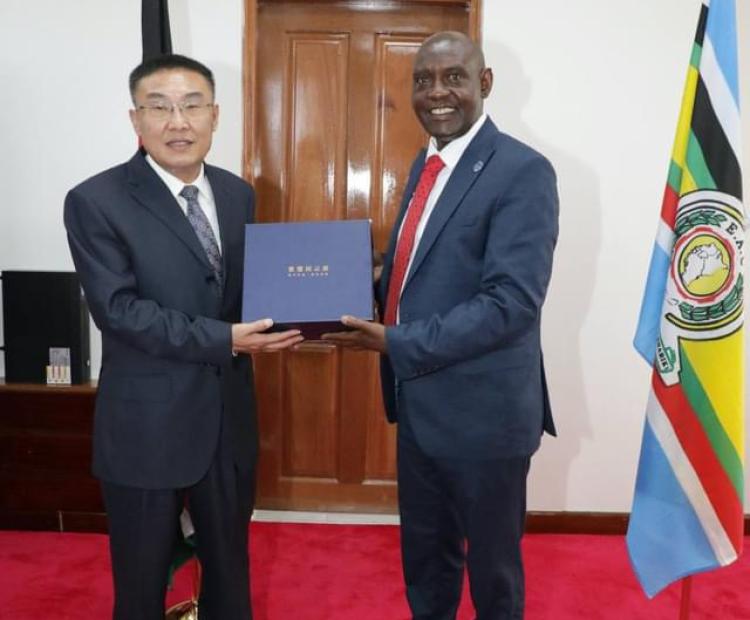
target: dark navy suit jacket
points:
(168, 378)
(465, 363)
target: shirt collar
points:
(452, 152)
(175, 185)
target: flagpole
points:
(687, 588)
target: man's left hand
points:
(365, 335)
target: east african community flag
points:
(687, 514)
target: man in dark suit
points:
(158, 245)
(463, 283)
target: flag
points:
(687, 514)
(155, 32)
(184, 549)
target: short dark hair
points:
(166, 62)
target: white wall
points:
(594, 85)
(597, 87)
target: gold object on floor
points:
(187, 610)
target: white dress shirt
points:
(450, 154)
(205, 195)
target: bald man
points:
(463, 284)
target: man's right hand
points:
(248, 337)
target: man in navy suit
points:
(463, 284)
(158, 245)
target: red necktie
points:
(405, 243)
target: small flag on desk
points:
(687, 514)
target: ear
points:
(215, 117)
(485, 82)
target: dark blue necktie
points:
(203, 230)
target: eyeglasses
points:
(162, 110)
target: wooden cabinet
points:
(45, 458)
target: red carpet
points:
(347, 572)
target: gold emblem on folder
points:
(307, 271)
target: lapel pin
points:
(478, 166)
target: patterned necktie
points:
(405, 243)
(203, 230)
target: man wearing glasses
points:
(158, 245)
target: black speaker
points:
(43, 310)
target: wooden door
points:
(330, 134)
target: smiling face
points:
(449, 85)
(177, 143)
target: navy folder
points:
(305, 275)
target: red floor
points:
(347, 572)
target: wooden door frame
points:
(249, 69)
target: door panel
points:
(315, 119)
(334, 138)
(310, 429)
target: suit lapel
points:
(147, 188)
(470, 167)
(222, 199)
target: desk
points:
(45, 458)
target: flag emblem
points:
(703, 297)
